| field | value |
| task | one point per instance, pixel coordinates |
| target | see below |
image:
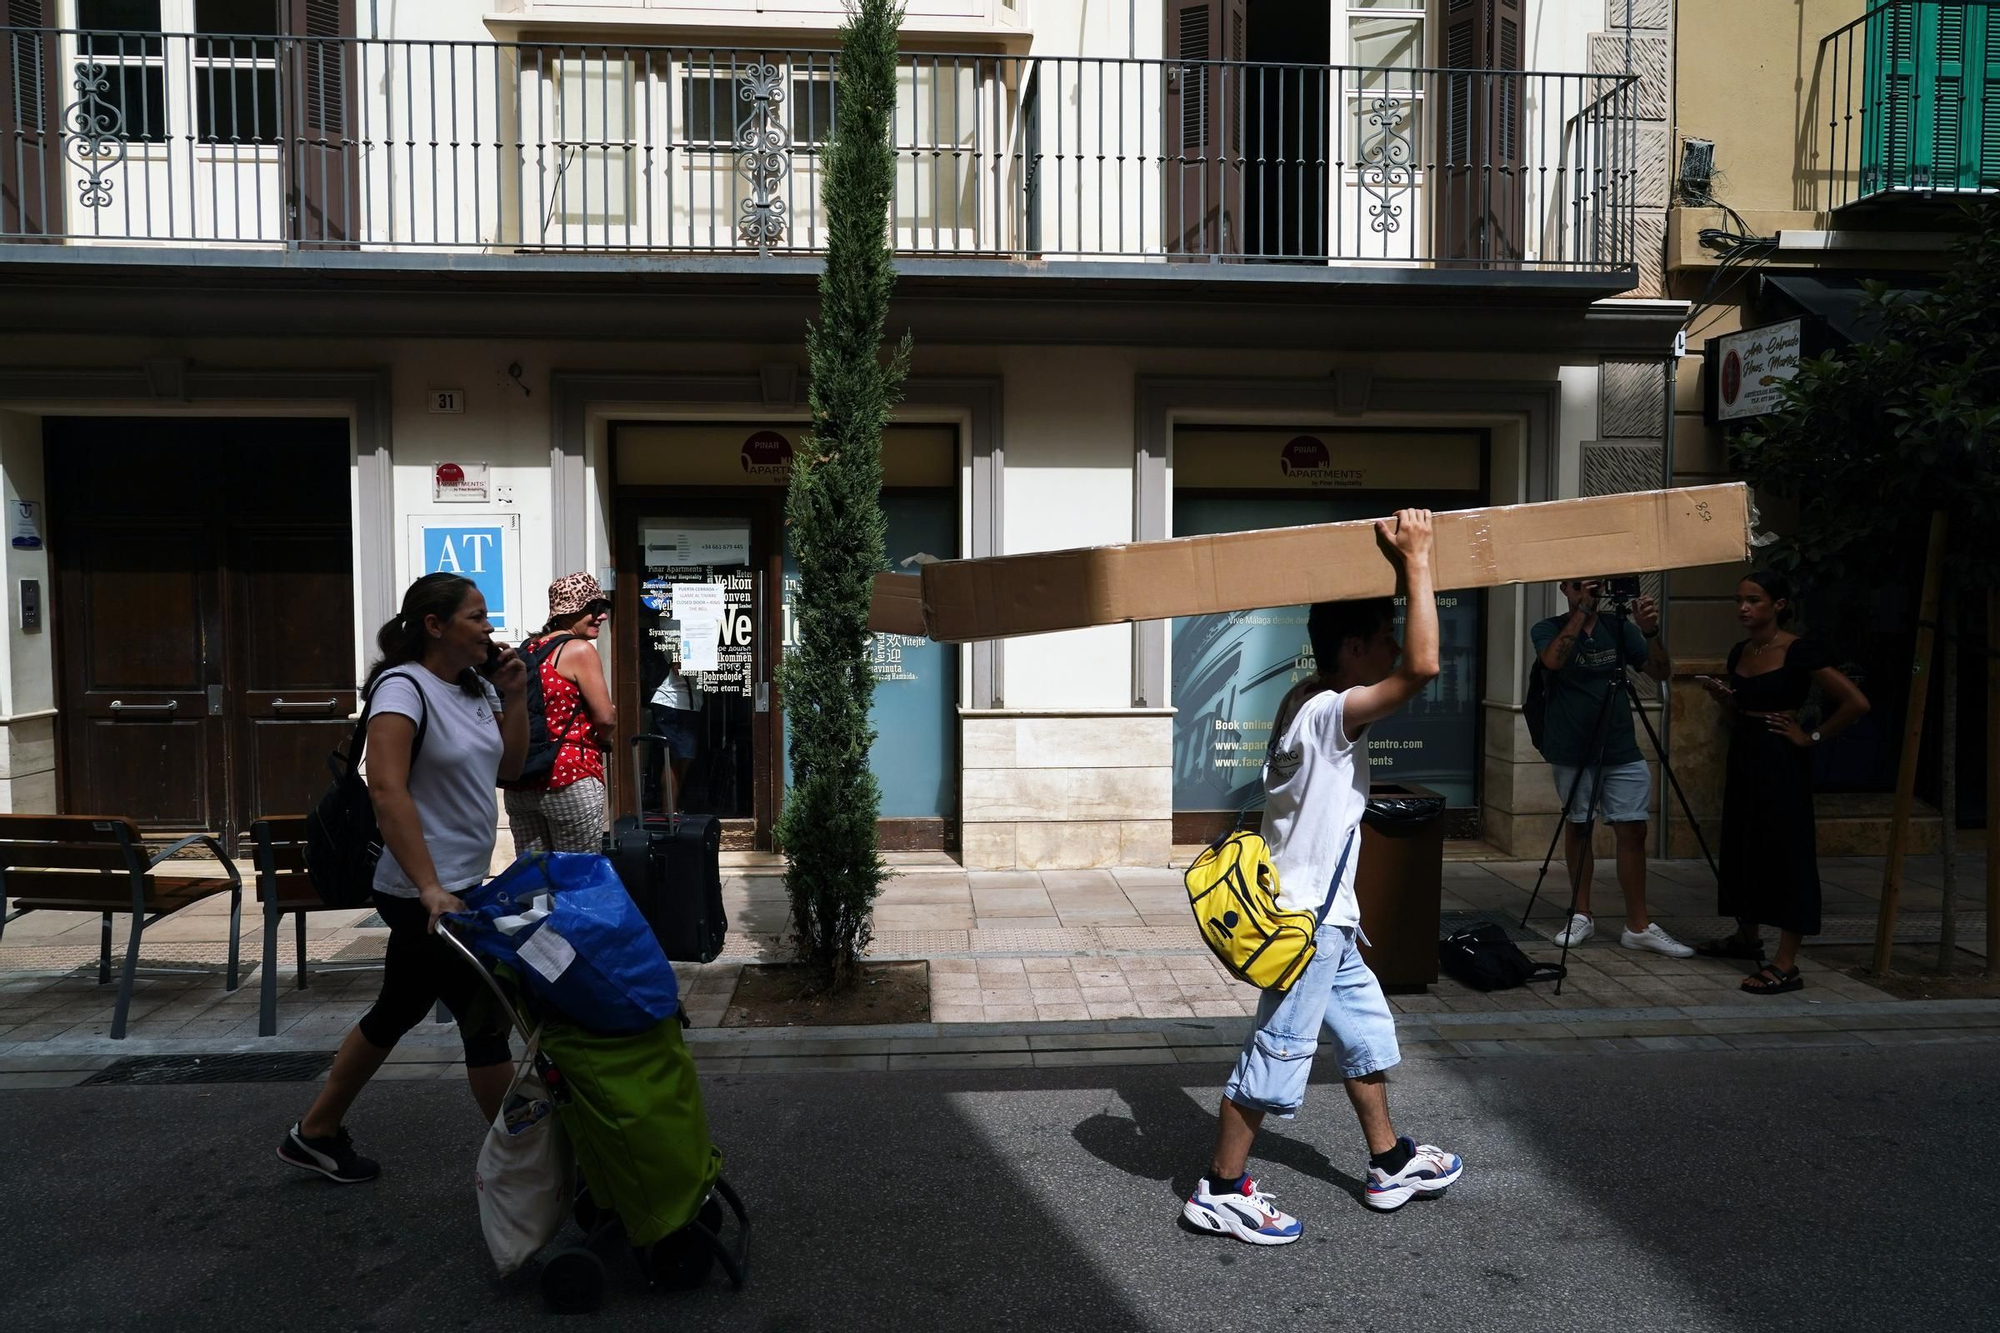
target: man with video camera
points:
(1587, 739)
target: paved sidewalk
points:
(1004, 948)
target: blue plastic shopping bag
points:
(564, 923)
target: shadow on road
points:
(1168, 1137)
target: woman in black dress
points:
(1770, 868)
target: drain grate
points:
(1449, 922)
(373, 921)
(277, 1067)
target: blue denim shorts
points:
(1338, 991)
(1627, 798)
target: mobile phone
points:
(492, 662)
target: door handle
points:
(321, 705)
(120, 706)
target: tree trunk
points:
(1913, 735)
(1948, 786)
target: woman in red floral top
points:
(565, 813)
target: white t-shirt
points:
(676, 691)
(453, 779)
(1315, 792)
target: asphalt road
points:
(1813, 1189)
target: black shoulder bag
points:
(343, 841)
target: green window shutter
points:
(1930, 113)
(1982, 139)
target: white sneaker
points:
(1579, 929)
(1248, 1214)
(1429, 1173)
(1652, 937)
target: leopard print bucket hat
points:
(573, 594)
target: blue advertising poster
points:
(476, 551)
(1231, 671)
(915, 714)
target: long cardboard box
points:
(998, 597)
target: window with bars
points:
(1385, 98)
(121, 60)
(714, 112)
(234, 68)
(593, 126)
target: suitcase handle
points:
(667, 792)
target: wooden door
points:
(139, 607)
(203, 608)
(321, 114)
(1480, 210)
(290, 691)
(31, 170)
(1203, 194)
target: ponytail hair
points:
(401, 638)
(1776, 587)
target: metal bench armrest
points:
(203, 839)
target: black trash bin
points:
(1400, 884)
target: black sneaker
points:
(333, 1158)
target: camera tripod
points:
(1596, 769)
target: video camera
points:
(1616, 594)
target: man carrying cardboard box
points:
(1316, 789)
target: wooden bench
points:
(278, 851)
(83, 863)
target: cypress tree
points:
(834, 513)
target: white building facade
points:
(303, 299)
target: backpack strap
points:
(359, 741)
(547, 648)
(1339, 874)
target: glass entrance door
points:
(703, 668)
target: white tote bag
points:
(525, 1170)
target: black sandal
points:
(1770, 981)
(1732, 946)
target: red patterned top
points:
(566, 717)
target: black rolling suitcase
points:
(672, 867)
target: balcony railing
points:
(1911, 92)
(130, 138)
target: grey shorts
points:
(1627, 796)
(1337, 992)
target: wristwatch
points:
(1815, 738)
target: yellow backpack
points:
(1233, 888)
